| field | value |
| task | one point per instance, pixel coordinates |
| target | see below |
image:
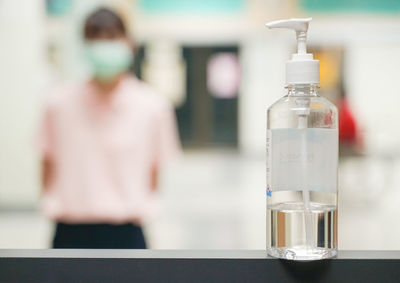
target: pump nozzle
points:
(300, 26)
(302, 68)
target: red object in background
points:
(347, 124)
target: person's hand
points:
(154, 178)
(47, 173)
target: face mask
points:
(109, 58)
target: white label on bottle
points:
(287, 164)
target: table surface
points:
(19, 265)
(176, 254)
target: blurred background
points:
(220, 66)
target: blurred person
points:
(102, 144)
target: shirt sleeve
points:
(168, 147)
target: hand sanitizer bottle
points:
(302, 161)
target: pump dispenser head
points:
(302, 68)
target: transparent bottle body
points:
(302, 215)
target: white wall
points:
(375, 94)
(21, 75)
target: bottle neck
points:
(302, 89)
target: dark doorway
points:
(206, 119)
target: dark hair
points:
(104, 23)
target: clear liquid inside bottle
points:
(302, 156)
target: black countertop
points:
(19, 265)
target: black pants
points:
(98, 236)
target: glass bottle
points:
(302, 161)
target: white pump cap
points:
(302, 68)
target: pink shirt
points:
(103, 151)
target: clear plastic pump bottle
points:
(302, 160)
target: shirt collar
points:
(113, 101)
